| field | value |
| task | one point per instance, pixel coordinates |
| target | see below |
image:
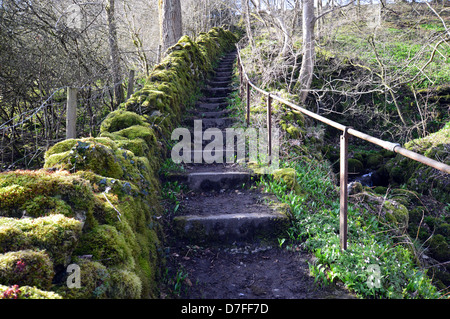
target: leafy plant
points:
(371, 246)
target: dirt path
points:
(223, 241)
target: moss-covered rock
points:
(26, 268)
(288, 176)
(396, 213)
(106, 244)
(24, 193)
(124, 284)
(355, 188)
(420, 177)
(392, 212)
(26, 292)
(56, 234)
(374, 161)
(355, 166)
(439, 248)
(119, 120)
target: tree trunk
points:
(170, 23)
(286, 39)
(307, 68)
(248, 23)
(114, 52)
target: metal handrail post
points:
(269, 126)
(343, 199)
(248, 102)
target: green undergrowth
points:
(378, 262)
(96, 203)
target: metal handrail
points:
(394, 147)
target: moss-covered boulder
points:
(420, 177)
(393, 213)
(355, 166)
(288, 176)
(26, 292)
(41, 193)
(26, 268)
(56, 234)
(374, 161)
(396, 213)
(439, 248)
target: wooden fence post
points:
(130, 84)
(159, 57)
(343, 190)
(71, 113)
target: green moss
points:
(355, 166)
(397, 213)
(106, 245)
(56, 234)
(289, 177)
(22, 190)
(419, 177)
(94, 278)
(12, 238)
(355, 188)
(138, 146)
(27, 292)
(406, 197)
(374, 161)
(293, 131)
(46, 205)
(380, 190)
(26, 268)
(119, 120)
(139, 131)
(124, 284)
(60, 147)
(439, 248)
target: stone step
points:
(224, 67)
(213, 100)
(229, 58)
(201, 114)
(219, 122)
(217, 91)
(223, 78)
(218, 83)
(223, 74)
(231, 217)
(210, 106)
(201, 157)
(205, 181)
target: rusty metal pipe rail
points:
(347, 131)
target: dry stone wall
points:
(95, 205)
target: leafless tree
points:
(170, 22)
(114, 52)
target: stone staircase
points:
(224, 236)
(222, 207)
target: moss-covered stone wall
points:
(95, 203)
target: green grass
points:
(372, 247)
(395, 49)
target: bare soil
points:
(246, 272)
